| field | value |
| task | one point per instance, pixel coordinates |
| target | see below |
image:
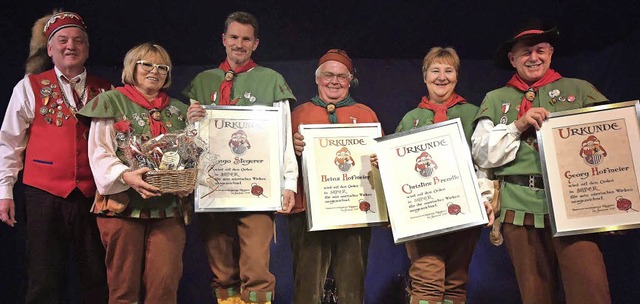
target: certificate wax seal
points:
(365, 206)
(624, 204)
(257, 190)
(453, 209)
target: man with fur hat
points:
(242, 276)
(59, 188)
(504, 140)
(344, 250)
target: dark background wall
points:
(600, 42)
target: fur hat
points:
(533, 33)
(38, 60)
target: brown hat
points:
(532, 33)
(339, 56)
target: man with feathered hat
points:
(504, 140)
(41, 135)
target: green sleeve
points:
(101, 106)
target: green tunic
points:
(258, 86)
(113, 104)
(563, 94)
(420, 117)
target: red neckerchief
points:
(160, 102)
(440, 110)
(225, 86)
(517, 82)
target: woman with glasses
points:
(141, 229)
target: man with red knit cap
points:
(344, 250)
(41, 133)
(504, 140)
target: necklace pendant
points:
(229, 75)
(530, 95)
(331, 108)
(155, 114)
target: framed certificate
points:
(240, 169)
(429, 181)
(339, 182)
(590, 167)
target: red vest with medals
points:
(56, 158)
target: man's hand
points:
(533, 118)
(195, 112)
(134, 179)
(8, 211)
(298, 143)
(373, 158)
(288, 201)
(490, 215)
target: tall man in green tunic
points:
(242, 276)
(504, 140)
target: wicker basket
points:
(172, 181)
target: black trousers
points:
(55, 226)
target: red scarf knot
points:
(440, 110)
(517, 83)
(230, 77)
(157, 104)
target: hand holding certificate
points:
(338, 177)
(240, 169)
(429, 181)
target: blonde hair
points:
(441, 55)
(140, 52)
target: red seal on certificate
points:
(454, 209)
(365, 206)
(257, 190)
(624, 204)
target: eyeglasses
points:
(148, 67)
(328, 76)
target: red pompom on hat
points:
(62, 20)
(339, 56)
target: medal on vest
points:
(505, 108)
(46, 91)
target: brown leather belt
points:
(531, 181)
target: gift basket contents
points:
(172, 158)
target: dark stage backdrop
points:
(391, 88)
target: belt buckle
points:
(532, 183)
